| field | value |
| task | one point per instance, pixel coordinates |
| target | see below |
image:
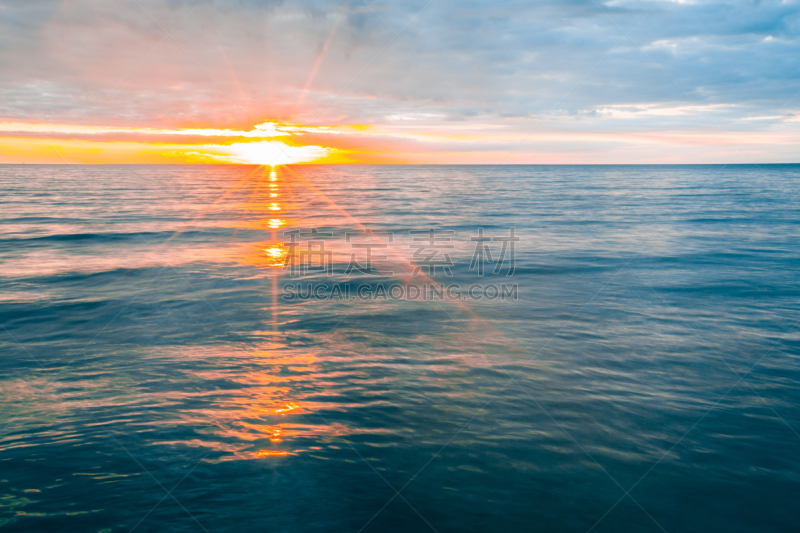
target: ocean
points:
(399, 348)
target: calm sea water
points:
(162, 371)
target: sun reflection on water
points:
(271, 453)
(269, 411)
(276, 255)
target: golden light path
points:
(279, 182)
(268, 419)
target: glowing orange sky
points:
(280, 144)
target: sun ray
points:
(320, 58)
(474, 317)
(248, 178)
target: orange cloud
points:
(273, 143)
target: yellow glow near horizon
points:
(129, 144)
(393, 143)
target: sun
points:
(272, 153)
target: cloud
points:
(580, 66)
(265, 130)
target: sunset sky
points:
(271, 82)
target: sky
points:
(389, 81)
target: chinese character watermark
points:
(483, 253)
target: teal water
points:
(162, 371)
